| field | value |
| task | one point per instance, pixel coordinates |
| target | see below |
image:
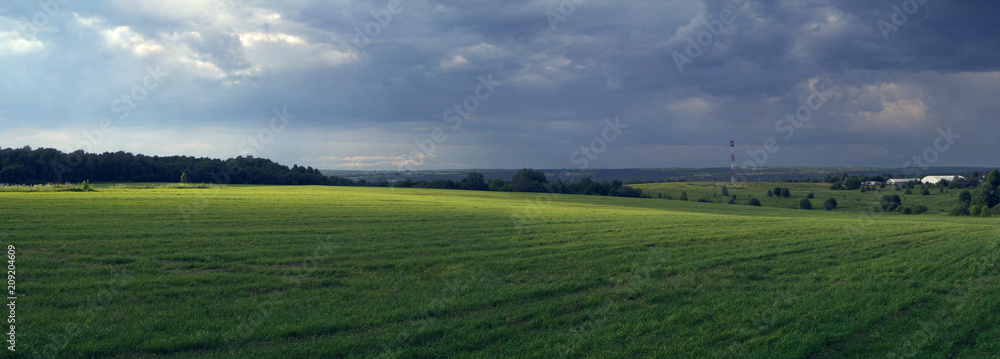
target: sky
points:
(571, 84)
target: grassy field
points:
(276, 272)
(847, 201)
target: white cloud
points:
(125, 38)
(13, 43)
(454, 62)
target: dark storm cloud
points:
(368, 82)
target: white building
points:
(901, 180)
(936, 179)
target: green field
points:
(282, 272)
(847, 201)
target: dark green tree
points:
(753, 202)
(830, 204)
(475, 181)
(852, 183)
(785, 193)
(805, 204)
(184, 177)
(527, 180)
(965, 197)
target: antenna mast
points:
(732, 161)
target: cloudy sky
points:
(482, 84)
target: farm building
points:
(936, 179)
(901, 180)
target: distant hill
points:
(764, 174)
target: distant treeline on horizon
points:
(46, 165)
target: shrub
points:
(732, 201)
(830, 204)
(810, 195)
(753, 202)
(907, 210)
(974, 210)
(908, 191)
(918, 209)
(770, 194)
(785, 193)
(925, 192)
(959, 210)
(684, 196)
(805, 204)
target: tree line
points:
(46, 165)
(29, 166)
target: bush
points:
(918, 209)
(732, 201)
(753, 202)
(907, 210)
(770, 194)
(805, 204)
(925, 192)
(974, 210)
(959, 210)
(810, 195)
(684, 196)
(830, 204)
(785, 193)
(908, 191)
